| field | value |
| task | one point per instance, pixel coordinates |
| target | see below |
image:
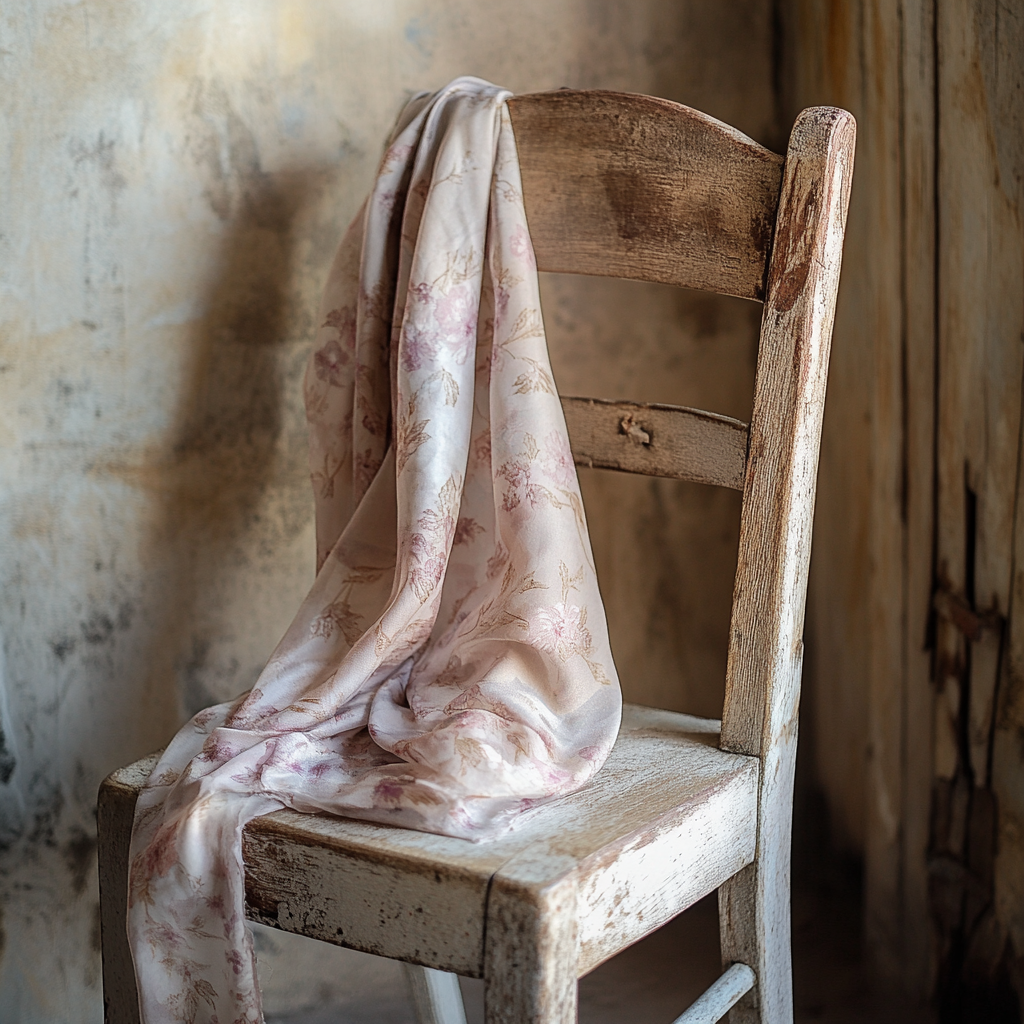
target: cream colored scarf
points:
(450, 667)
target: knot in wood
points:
(633, 430)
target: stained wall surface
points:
(175, 176)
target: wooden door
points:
(916, 617)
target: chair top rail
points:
(631, 186)
(657, 440)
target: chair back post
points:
(765, 639)
(769, 597)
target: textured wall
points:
(175, 176)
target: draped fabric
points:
(450, 667)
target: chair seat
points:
(666, 821)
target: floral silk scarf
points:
(450, 667)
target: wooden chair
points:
(634, 187)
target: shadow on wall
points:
(233, 469)
(223, 495)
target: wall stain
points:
(7, 761)
(47, 798)
(101, 154)
(79, 856)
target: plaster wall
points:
(174, 177)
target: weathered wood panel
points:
(657, 440)
(640, 187)
(344, 882)
(927, 400)
(1008, 762)
(880, 326)
(820, 58)
(849, 54)
(913, 941)
(980, 170)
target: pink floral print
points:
(451, 539)
(561, 630)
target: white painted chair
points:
(634, 187)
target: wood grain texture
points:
(825, 45)
(876, 335)
(976, 847)
(352, 884)
(115, 812)
(657, 440)
(788, 405)
(914, 948)
(766, 645)
(950, 175)
(981, 360)
(1008, 761)
(631, 186)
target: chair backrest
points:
(631, 186)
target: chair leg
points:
(114, 813)
(754, 905)
(436, 995)
(531, 953)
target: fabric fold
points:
(450, 667)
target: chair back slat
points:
(621, 185)
(657, 440)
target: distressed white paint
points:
(175, 176)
